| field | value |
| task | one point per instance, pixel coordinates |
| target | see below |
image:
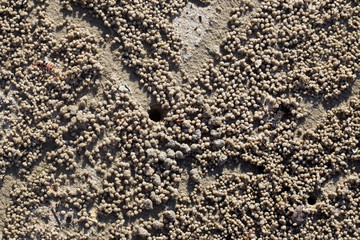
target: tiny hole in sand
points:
(312, 199)
(156, 113)
(68, 219)
(261, 169)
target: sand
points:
(217, 128)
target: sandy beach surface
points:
(179, 119)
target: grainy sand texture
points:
(176, 119)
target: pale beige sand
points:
(220, 119)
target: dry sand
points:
(151, 119)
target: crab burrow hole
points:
(156, 113)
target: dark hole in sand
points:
(286, 189)
(312, 199)
(68, 219)
(156, 113)
(261, 169)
